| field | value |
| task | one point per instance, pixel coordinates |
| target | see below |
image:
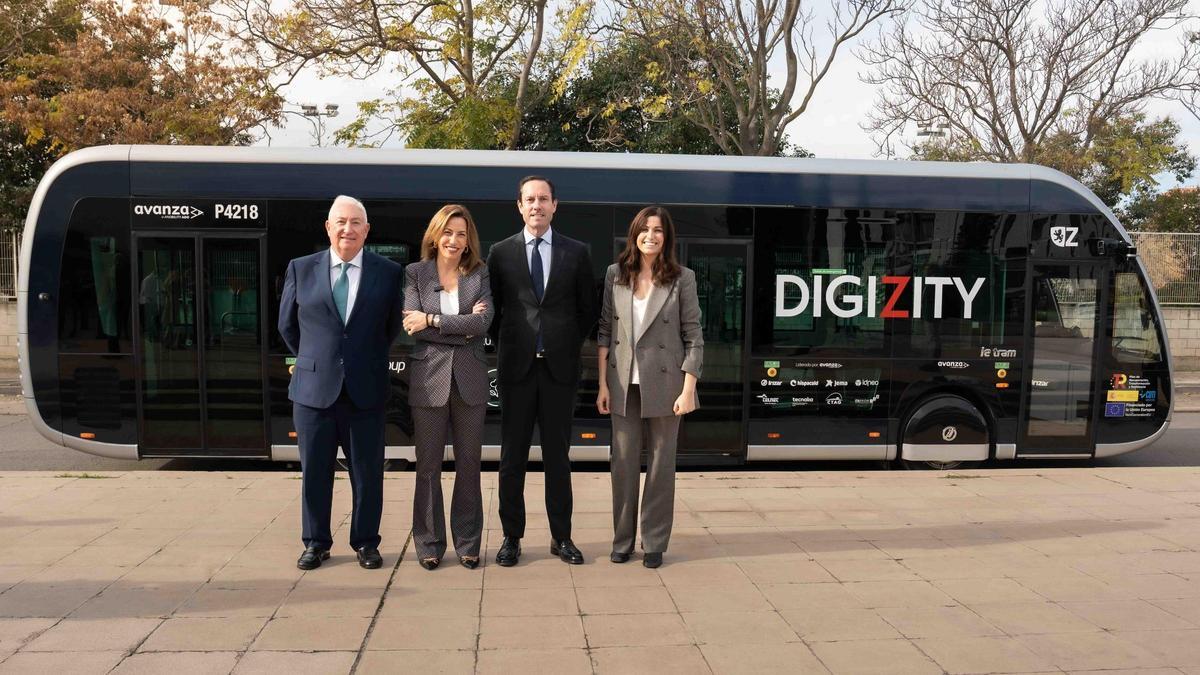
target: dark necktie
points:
(341, 291)
(536, 275)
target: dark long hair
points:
(666, 269)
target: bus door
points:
(1059, 406)
(717, 429)
(200, 347)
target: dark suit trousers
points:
(466, 502)
(536, 399)
(360, 433)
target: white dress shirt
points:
(354, 275)
(544, 249)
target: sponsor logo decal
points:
(957, 365)
(949, 434)
(833, 399)
(1119, 395)
(1114, 409)
(168, 211)
(1120, 381)
(822, 295)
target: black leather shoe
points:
(618, 557)
(312, 557)
(566, 551)
(652, 560)
(369, 558)
(509, 553)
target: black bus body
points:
(932, 312)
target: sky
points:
(830, 128)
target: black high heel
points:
(430, 563)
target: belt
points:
(540, 355)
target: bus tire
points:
(945, 431)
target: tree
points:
(130, 76)
(123, 76)
(1176, 210)
(610, 105)
(1121, 158)
(452, 53)
(1013, 78)
(728, 46)
(27, 27)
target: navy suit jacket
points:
(329, 353)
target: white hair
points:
(345, 199)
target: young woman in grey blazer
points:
(650, 354)
(448, 308)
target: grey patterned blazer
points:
(455, 349)
(669, 344)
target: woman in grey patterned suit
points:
(448, 307)
(651, 350)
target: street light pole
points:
(316, 117)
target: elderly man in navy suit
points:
(339, 313)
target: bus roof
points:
(164, 169)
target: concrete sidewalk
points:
(978, 572)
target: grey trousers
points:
(660, 436)
(430, 425)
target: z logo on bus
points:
(170, 211)
(949, 434)
(1064, 237)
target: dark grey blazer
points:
(669, 344)
(453, 351)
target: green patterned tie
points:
(341, 291)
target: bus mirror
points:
(1114, 248)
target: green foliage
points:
(102, 72)
(1176, 210)
(1119, 160)
(607, 107)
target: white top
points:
(449, 301)
(543, 248)
(639, 317)
(353, 274)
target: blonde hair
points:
(471, 258)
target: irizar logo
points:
(949, 434)
(824, 295)
(1064, 237)
(168, 211)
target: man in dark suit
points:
(543, 289)
(339, 313)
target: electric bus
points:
(937, 313)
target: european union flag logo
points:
(1114, 409)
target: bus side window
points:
(1045, 308)
(1134, 336)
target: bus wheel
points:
(945, 432)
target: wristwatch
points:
(437, 320)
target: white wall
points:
(1183, 332)
(8, 330)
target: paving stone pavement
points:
(990, 571)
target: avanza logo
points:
(168, 211)
(823, 295)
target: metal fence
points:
(10, 252)
(1173, 261)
